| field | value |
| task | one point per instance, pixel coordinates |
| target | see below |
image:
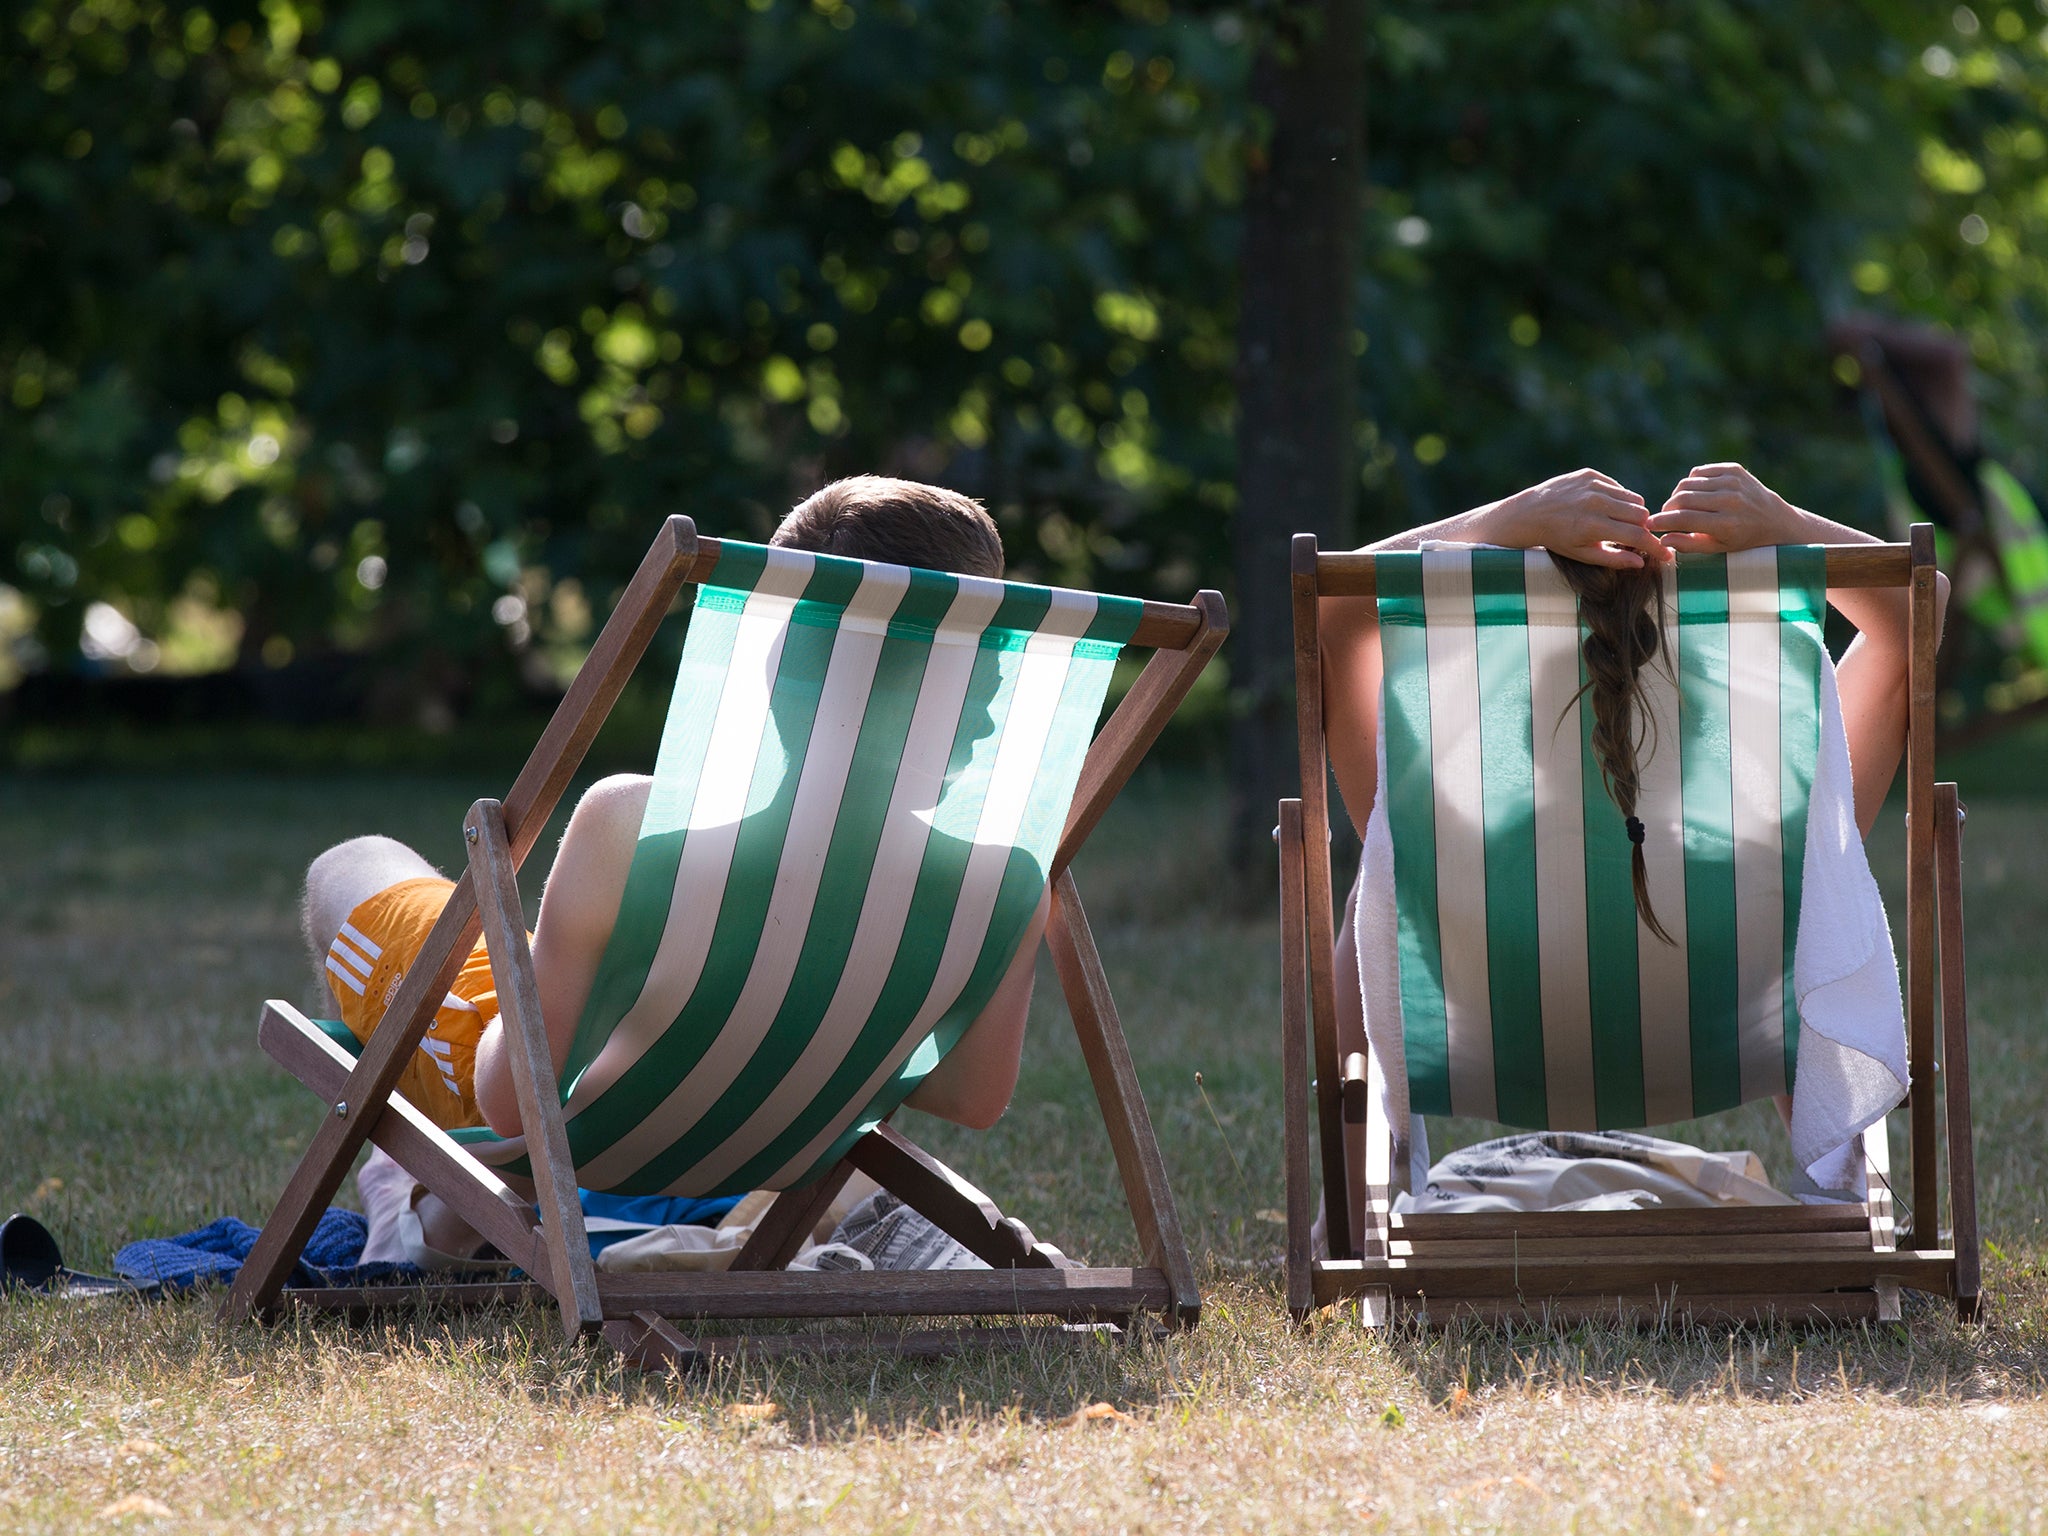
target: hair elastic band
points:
(1635, 831)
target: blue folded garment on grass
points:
(213, 1255)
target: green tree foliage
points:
(383, 321)
(395, 325)
(1609, 233)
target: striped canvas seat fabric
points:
(1531, 993)
(863, 776)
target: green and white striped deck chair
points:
(1518, 983)
(868, 779)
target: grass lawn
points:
(144, 918)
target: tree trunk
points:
(1298, 277)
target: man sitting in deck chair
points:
(1610, 549)
(370, 901)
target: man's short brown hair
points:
(900, 522)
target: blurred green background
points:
(358, 346)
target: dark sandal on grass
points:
(30, 1260)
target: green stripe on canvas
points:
(1709, 796)
(1023, 884)
(924, 607)
(1411, 821)
(651, 878)
(806, 651)
(1611, 936)
(1802, 606)
(937, 890)
(1508, 779)
(842, 886)
(1016, 618)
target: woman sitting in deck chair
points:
(1610, 549)
(370, 901)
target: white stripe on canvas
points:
(739, 735)
(361, 940)
(1663, 976)
(1453, 645)
(1041, 677)
(821, 782)
(1566, 986)
(345, 976)
(899, 853)
(1754, 672)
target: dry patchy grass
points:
(141, 921)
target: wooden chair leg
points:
(1955, 1028)
(1294, 1089)
(573, 1281)
(779, 1235)
(1108, 1056)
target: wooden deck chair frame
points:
(1797, 1263)
(637, 1313)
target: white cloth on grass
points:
(1589, 1171)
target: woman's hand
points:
(1584, 515)
(1720, 508)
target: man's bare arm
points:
(577, 913)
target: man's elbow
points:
(979, 1114)
(497, 1097)
(974, 1105)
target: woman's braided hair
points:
(1623, 611)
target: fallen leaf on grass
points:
(138, 1448)
(1391, 1417)
(1095, 1411)
(45, 1189)
(754, 1412)
(1277, 1218)
(136, 1504)
(1460, 1401)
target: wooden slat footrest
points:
(398, 1296)
(1731, 1273)
(1526, 1246)
(1077, 1294)
(1674, 1222)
